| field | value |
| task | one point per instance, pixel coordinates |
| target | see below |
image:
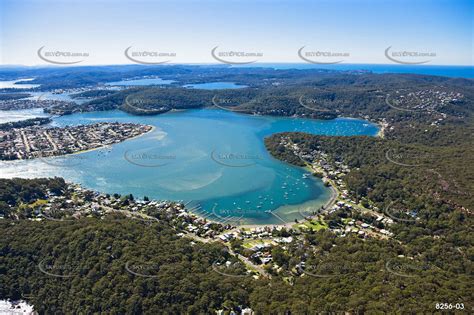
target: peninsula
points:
(35, 141)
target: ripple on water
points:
(214, 157)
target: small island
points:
(35, 141)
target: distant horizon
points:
(252, 65)
(453, 71)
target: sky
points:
(361, 29)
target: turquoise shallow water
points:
(211, 158)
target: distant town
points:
(35, 141)
(378, 211)
(252, 245)
(28, 103)
(426, 100)
(76, 202)
(374, 222)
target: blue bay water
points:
(21, 114)
(158, 81)
(140, 82)
(439, 70)
(212, 158)
(17, 84)
(215, 86)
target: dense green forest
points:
(14, 193)
(121, 266)
(443, 172)
(83, 76)
(87, 262)
(418, 168)
(25, 123)
(422, 165)
(312, 93)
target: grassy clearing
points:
(315, 224)
(252, 243)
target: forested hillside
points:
(123, 266)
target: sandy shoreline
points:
(329, 203)
(105, 146)
(332, 199)
(381, 132)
